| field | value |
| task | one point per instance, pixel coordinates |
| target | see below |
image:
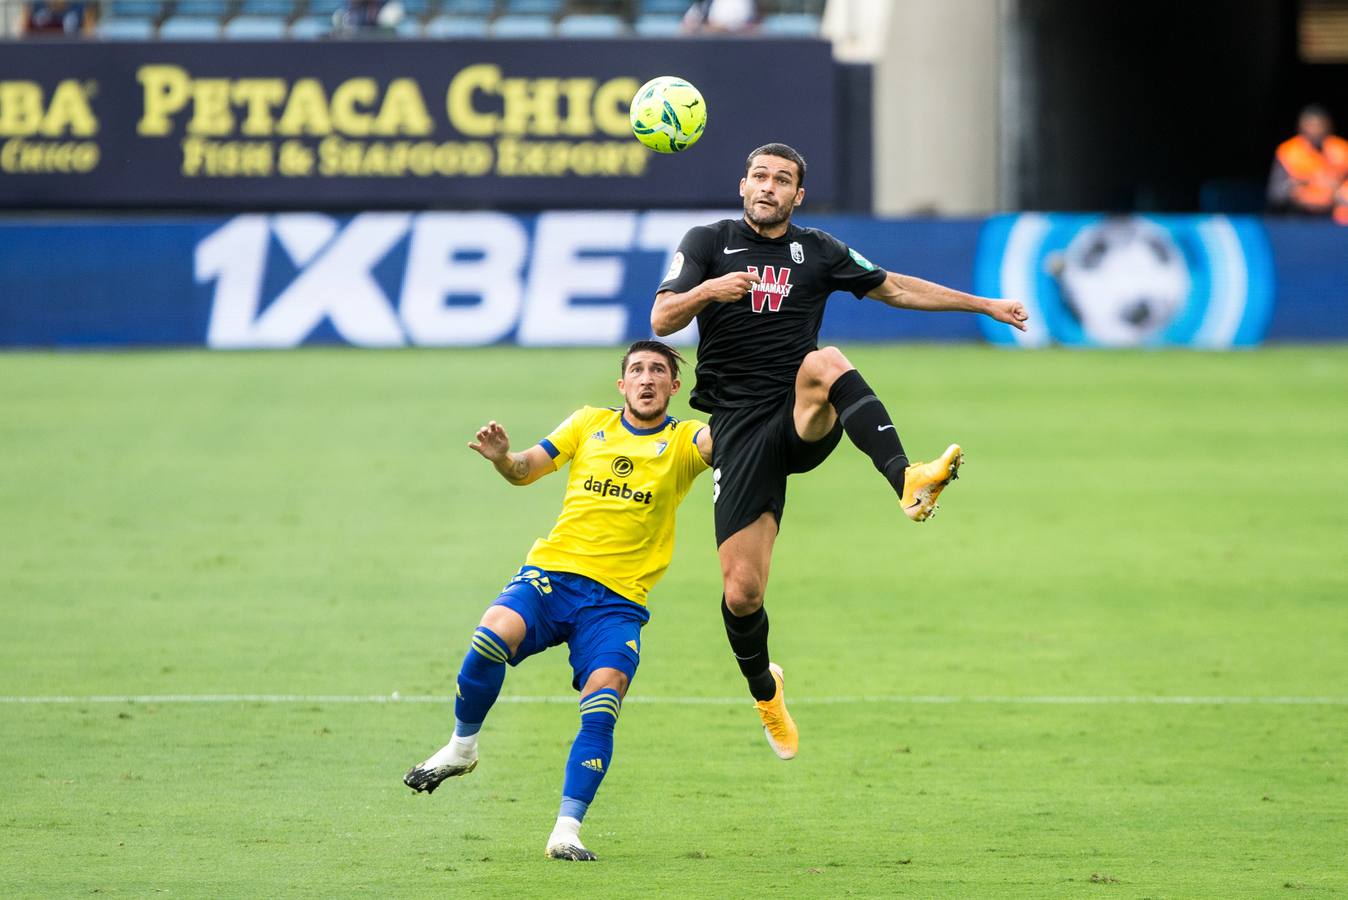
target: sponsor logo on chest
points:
(772, 287)
(619, 487)
(621, 490)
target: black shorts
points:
(754, 449)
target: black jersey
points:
(748, 351)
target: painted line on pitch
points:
(901, 699)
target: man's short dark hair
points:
(784, 152)
(669, 353)
(1316, 110)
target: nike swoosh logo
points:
(727, 250)
(883, 427)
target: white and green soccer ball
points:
(668, 114)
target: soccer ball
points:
(668, 114)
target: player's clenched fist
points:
(730, 287)
(492, 441)
(1012, 312)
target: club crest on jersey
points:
(797, 252)
(771, 289)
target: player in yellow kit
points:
(586, 583)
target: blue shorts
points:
(602, 628)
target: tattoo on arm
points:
(519, 468)
(522, 468)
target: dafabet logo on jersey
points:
(610, 488)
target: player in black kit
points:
(778, 403)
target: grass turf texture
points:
(1127, 524)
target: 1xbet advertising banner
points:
(394, 124)
(393, 279)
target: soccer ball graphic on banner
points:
(1123, 280)
(668, 114)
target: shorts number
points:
(715, 484)
(536, 578)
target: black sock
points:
(749, 639)
(867, 423)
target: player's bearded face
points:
(647, 385)
(770, 191)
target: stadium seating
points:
(190, 28)
(656, 25)
(801, 7)
(532, 8)
(126, 29)
(311, 27)
(200, 9)
(790, 25)
(135, 9)
(278, 9)
(130, 20)
(317, 8)
(510, 26)
(591, 26)
(462, 19)
(255, 28)
(480, 8)
(194, 20)
(444, 26)
(413, 18)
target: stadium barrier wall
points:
(385, 279)
(360, 125)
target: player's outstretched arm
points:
(674, 311)
(907, 292)
(517, 468)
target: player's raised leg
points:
(480, 678)
(829, 389)
(589, 760)
(745, 559)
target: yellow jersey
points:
(625, 485)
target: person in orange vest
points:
(1310, 171)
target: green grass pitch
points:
(1129, 526)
